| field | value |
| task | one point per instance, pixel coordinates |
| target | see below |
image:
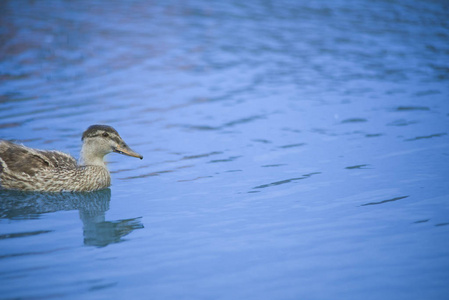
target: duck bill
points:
(127, 151)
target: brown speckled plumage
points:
(24, 168)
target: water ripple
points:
(285, 181)
(385, 201)
(23, 234)
(426, 137)
(412, 108)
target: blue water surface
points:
(292, 149)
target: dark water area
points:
(293, 149)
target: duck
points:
(27, 169)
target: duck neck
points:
(91, 158)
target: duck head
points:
(99, 140)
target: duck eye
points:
(105, 134)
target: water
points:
(292, 149)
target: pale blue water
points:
(292, 149)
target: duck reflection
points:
(92, 206)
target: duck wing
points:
(22, 159)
